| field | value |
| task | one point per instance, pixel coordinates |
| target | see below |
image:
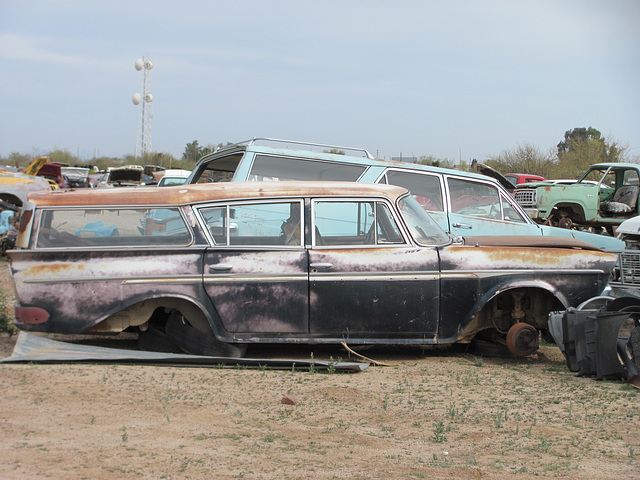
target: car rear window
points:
(106, 227)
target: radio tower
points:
(143, 141)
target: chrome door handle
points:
(220, 267)
(462, 225)
(321, 266)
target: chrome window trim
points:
(230, 204)
(41, 211)
(408, 240)
(364, 167)
(439, 176)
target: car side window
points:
(100, 227)
(509, 211)
(354, 223)
(255, 224)
(425, 188)
(274, 168)
(474, 199)
(630, 178)
(219, 170)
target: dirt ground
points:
(444, 414)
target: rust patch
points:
(509, 257)
(185, 194)
(24, 220)
(54, 268)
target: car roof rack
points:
(254, 140)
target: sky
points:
(455, 79)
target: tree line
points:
(580, 148)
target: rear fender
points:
(138, 314)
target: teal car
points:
(462, 203)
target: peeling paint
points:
(402, 293)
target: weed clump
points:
(6, 319)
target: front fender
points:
(604, 242)
(485, 312)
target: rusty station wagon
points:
(212, 268)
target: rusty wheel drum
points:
(522, 339)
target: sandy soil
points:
(433, 414)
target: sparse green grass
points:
(6, 315)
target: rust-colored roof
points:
(183, 194)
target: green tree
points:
(19, 160)
(524, 158)
(435, 162)
(194, 151)
(335, 151)
(581, 148)
(64, 156)
(102, 163)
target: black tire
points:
(195, 342)
(155, 340)
(624, 304)
(634, 343)
(485, 348)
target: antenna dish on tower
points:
(143, 142)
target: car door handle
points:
(321, 266)
(462, 225)
(220, 267)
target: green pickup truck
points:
(604, 197)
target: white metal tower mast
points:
(143, 140)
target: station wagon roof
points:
(294, 150)
(184, 194)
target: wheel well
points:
(155, 312)
(529, 305)
(575, 211)
(12, 199)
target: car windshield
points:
(423, 228)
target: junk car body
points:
(214, 267)
(76, 177)
(602, 336)
(15, 187)
(605, 196)
(462, 203)
(125, 176)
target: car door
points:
(256, 271)
(478, 209)
(366, 281)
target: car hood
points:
(490, 172)
(124, 175)
(630, 227)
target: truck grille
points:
(526, 197)
(630, 267)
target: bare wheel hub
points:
(522, 339)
